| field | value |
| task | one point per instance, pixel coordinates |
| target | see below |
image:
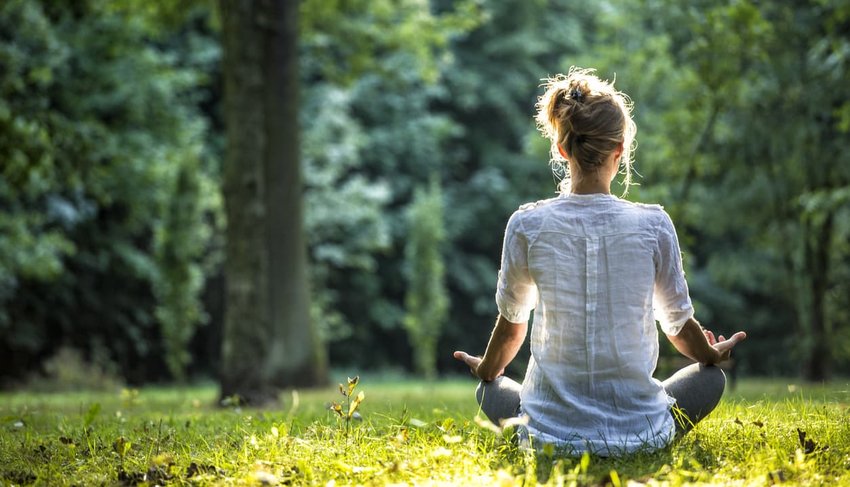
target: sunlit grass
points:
(411, 432)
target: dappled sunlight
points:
(409, 432)
(212, 212)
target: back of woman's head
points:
(589, 119)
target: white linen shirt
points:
(593, 267)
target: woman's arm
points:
(505, 341)
(694, 342)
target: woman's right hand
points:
(724, 346)
(699, 344)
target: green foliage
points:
(344, 208)
(67, 370)
(32, 243)
(379, 37)
(412, 432)
(96, 126)
(370, 136)
(426, 301)
(110, 136)
(180, 243)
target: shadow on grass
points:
(596, 470)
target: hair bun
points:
(576, 94)
(586, 119)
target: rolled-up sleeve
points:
(516, 292)
(671, 301)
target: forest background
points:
(416, 120)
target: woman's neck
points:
(592, 182)
(585, 186)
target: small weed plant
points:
(409, 433)
(349, 411)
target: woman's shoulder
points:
(529, 215)
(647, 208)
(650, 216)
(534, 205)
(533, 214)
(644, 217)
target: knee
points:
(479, 391)
(485, 388)
(716, 378)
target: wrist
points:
(712, 357)
(487, 371)
(484, 373)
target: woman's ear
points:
(564, 153)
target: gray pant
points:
(696, 388)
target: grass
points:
(764, 432)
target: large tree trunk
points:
(269, 340)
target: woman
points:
(598, 272)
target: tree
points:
(269, 339)
(427, 299)
(804, 164)
(97, 124)
(371, 71)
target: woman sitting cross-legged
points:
(598, 271)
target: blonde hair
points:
(589, 119)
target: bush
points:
(68, 370)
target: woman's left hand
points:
(504, 343)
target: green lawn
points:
(764, 432)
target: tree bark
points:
(269, 340)
(816, 366)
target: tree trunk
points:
(269, 340)
(817, 361)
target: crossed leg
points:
(697, 389)
(499, 399)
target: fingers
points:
(462, 356)
(466, 358)
(737, 337)
(724, 344)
